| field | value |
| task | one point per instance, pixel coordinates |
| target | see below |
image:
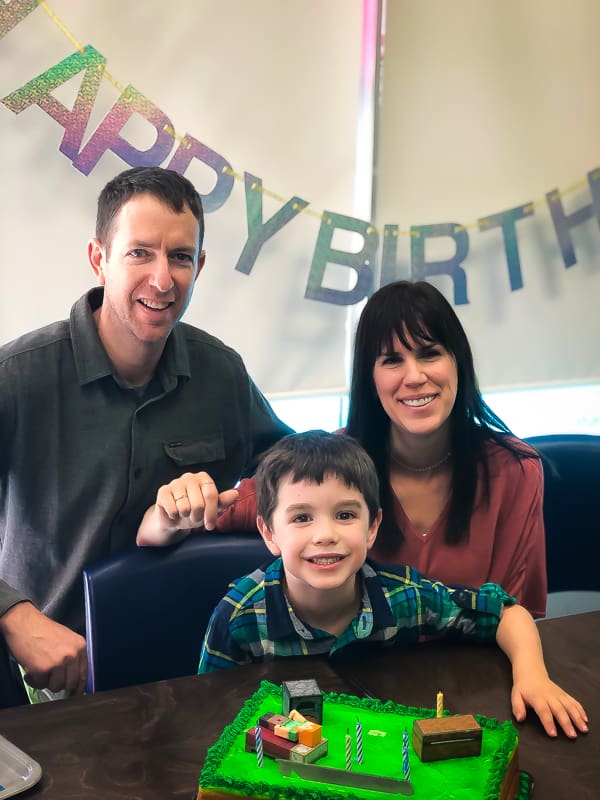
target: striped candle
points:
(359, 742)
(405, 762)
(348, 750)
(259, 746)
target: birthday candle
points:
(259, 746)
(440, 704)
(348, 750)
(359, 742)
(405, 762)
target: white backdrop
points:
(487, 107)
(271, 87)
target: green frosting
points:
(228, 767)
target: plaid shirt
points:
(255, 622)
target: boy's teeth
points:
(422, 401)
(330, 560)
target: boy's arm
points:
(517, 635)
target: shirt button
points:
(137, 472)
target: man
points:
(98, 411)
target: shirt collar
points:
(91, 359)
(283, 623)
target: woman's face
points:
(416, 387)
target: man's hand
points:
(188, 502)
(52, 656)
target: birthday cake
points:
(347, 748)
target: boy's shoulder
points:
(392, 573)
(248, 592)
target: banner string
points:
(258, 187)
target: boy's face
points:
(322, 533)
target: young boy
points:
(318, 513)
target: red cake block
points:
(273, 745)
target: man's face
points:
(147, 269)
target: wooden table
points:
(149, 742)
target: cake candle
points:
(405, 761)
(359, 742)
(348, 750)
(440, 704)
(258, 745)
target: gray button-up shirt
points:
(81, 457)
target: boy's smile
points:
(322, 533)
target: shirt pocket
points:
(186, 453)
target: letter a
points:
(38, 91)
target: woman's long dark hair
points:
(421, 312)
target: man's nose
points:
(160, 274)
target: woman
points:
(461, 497)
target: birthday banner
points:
(283, 275)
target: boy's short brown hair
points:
(313, 456)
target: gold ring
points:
(181, 496)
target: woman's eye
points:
(390, 360)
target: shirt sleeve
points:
(427, 610)
(528, 580)
(220, 649)
(265, 428)
(473, 614)
(241, 515)
(9, 597)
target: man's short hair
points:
(165, 184)
(314, 456)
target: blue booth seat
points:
(572, 520)
(147, 610)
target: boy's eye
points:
(346, 515)
(299, 518)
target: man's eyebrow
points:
(186, 248)
(139, 243)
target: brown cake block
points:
(446, 737)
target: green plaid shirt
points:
(255, 622)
